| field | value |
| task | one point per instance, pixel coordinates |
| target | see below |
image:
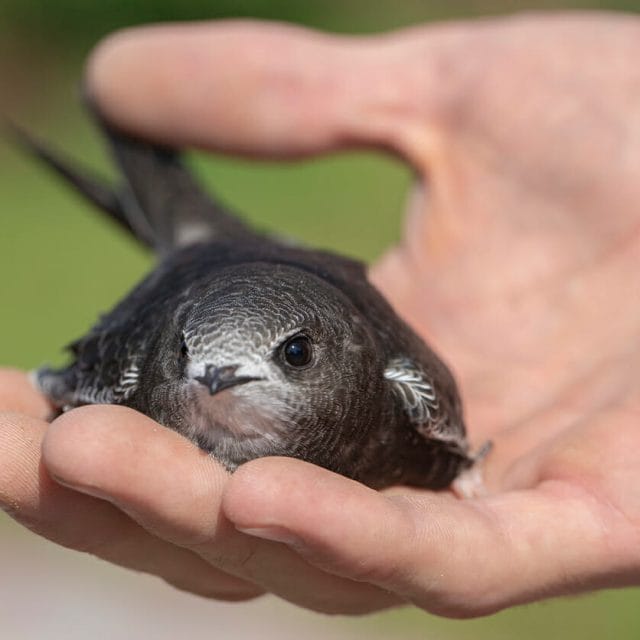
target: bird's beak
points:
(217, 379)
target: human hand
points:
(146, 499)
(519, 268)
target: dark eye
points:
(184, 349)
(297, 351)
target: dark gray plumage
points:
(250, 347)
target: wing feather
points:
(420, 401)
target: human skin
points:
(520, 266)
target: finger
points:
(455, 558)
(289, 90)
(19, 394)
(88, 524)
(174, 490)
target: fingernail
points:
(273, 534)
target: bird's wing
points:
(98, 191)
(159, 201)
(431, 413)
(105, 371)
(162, 194)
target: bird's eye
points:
(184, 349)
(297, 351)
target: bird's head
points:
(264, 351)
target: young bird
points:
(251, 347)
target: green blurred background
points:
(62, 265)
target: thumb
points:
(257, 88)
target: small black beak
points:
(218, 379)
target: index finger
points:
(458, 558)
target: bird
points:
(249, 345)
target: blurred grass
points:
(612, 614)
(62, 264)
(79, 23)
